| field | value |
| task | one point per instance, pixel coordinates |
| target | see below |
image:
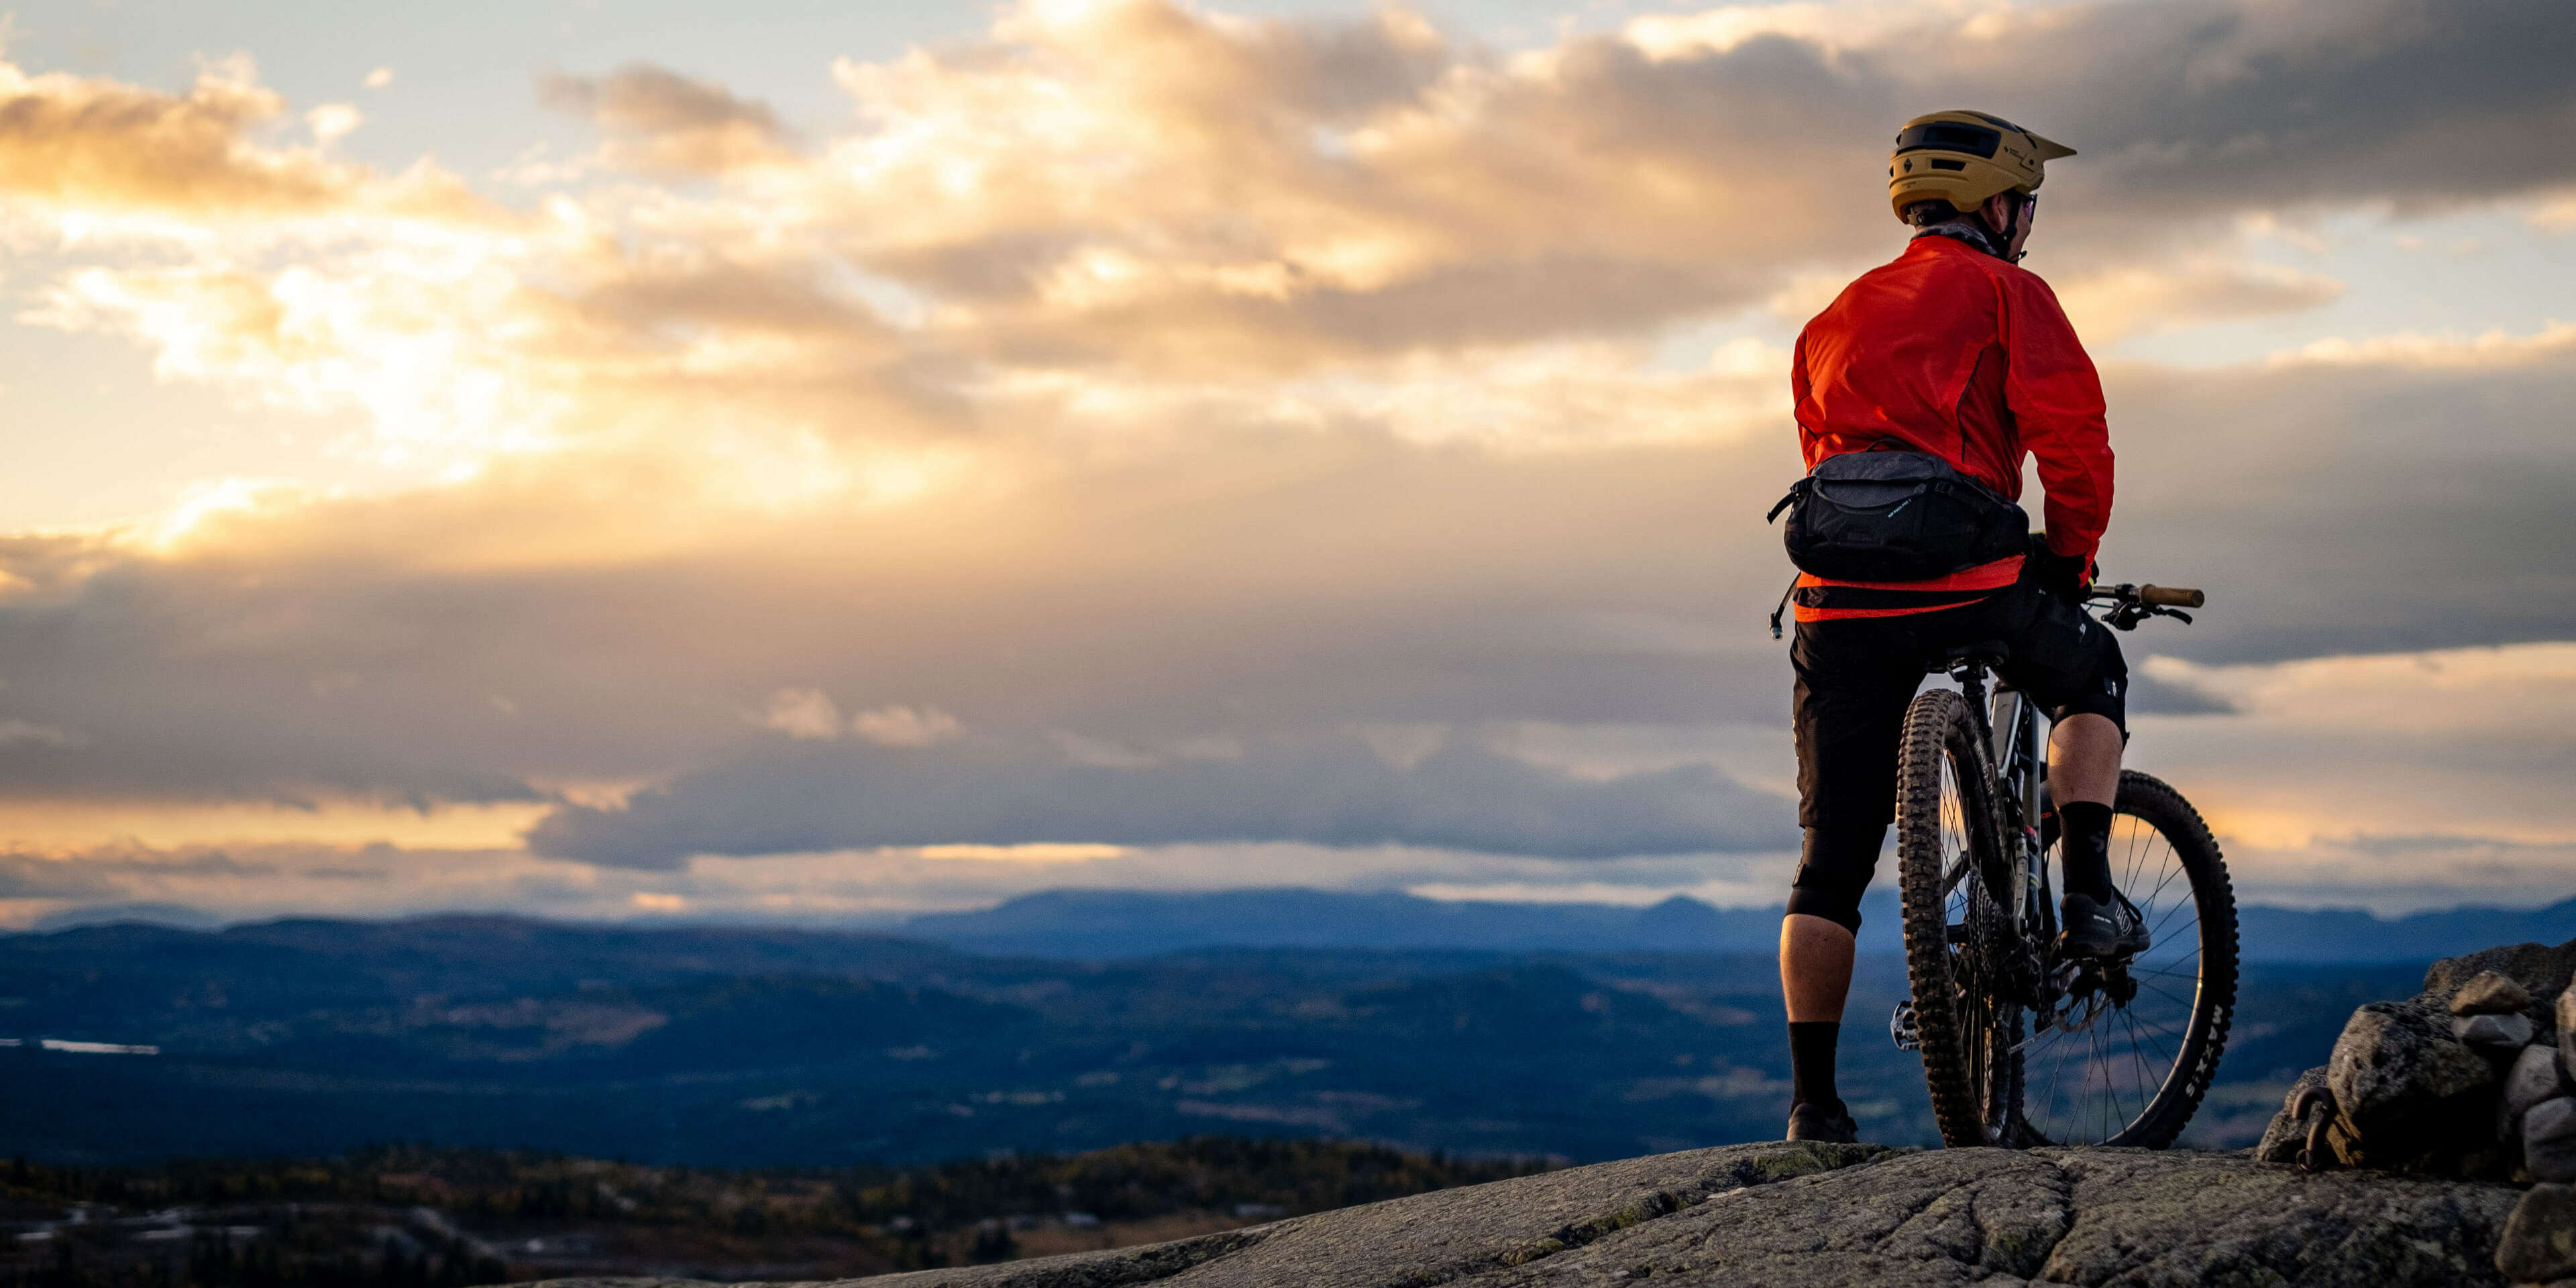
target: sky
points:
(807, 462)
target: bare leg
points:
(2083, 761)
(2083, 779)
(1815, 967)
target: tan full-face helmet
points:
(1963, 158)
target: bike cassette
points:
(1902, 1030)
(2086, 989)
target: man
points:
(1952, 350)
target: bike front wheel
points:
(1962, 946)
(2109, 1069)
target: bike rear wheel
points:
(1961, 945)
(2134, 1073)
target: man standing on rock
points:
(1954, 351)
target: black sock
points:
(1811, 1064)
(2084, 849)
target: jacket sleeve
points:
(1800, 390)
(2056, 401)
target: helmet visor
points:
(1948, 136)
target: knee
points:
(2089, 731)
(1834, 870)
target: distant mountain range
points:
(1127, 924)
(761, 1045)
(1133, 923)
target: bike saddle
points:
(1986, 653)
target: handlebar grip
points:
(2171, 597)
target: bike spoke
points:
(2138, 1073)
(2056, 1073)
(2164, 1060)
(2150, 1032)
(2152, 895)
(2119, 1115)
(2178, 1001)
(2156, 931)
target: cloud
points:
(2554, 212)
(1195, 592)
(203, 884)
(2191, 107)
(2494, 349)
(115, 870)
(22, 731)
(1335, 793)
(801, 713)
(2395, 776)
(838, 888)
(2130, 299)
(1058, 179)
(1194, 381)
(661, 121)
(2353, 506)
(99, 145)
(24, 877)
(810, 715)
(93, 142)
(900, 726)
(1100, 208)
(1203, 580)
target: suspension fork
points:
(1998, 730)
(2013, 726)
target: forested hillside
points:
(711, 1047)
(420, 1218)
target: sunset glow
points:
(1127, 443)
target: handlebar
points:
(2133, 604)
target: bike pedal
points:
(1902, 1030)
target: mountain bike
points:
(2020, 1046)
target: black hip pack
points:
(1889, 515)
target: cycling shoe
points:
(2100, 930)
(1815, 1122)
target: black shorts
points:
(1856, 675)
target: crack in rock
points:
(2056, 1216)
(2007, 1223)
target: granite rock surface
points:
(1782, 1214)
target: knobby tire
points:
(2150, 801)
(1972, 1065)
(1956, 1016)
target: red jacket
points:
(1952, 351)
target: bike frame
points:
(2017, 958)
(2009, 726)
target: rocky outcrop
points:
(2475, 1077)
(2437, 1146)
(1779, 1214)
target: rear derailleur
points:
(2077, 992)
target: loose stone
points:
(2491, 993)
(2567, 1032)
(2549, 1140)
(2535, 1077)
(2539, 1240)
(2490, 1030)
